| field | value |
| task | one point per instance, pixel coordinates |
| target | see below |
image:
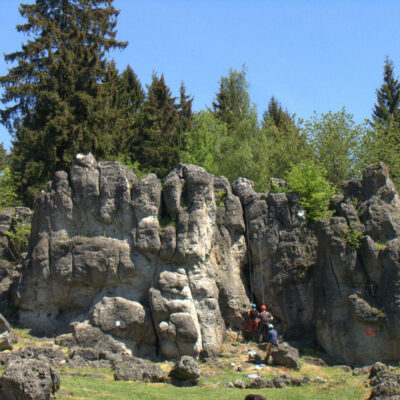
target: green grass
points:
(340, 385)
(96, 389)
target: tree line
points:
(62, 95)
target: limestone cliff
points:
(172, 265)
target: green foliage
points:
(3, 157)
(335, 139)
(220, 198)
(232, 103)
(158, 145)
(58, 103)
(310, 182)
(353, 237)
(278, 189)
(283, 147)
(201, 140)
(388, 98)
(125, 98)
(124, 159)
(381, 245)
(8, 190)
(382, 143)
(18, 238)
(241, 150)
(276, 116)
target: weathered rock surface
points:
(7, 336)
(186, 369)
(27, 379)
(166, 268)
(357, 275)
(139, 370)
(145, 266)
(385, 382)
(285, 355)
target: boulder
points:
(27, 379)
(7, 336)
(186, 369)
(285, 355)
(256, 383)
(385, 384)
(88, 336)
(139, 370)
(51, 355)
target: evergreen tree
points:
(276, 116)
(285, 143)
(55, 89)
(185, 115)
(157, 145)
(388, 97)
(126, 96)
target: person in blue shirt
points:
(272, 339)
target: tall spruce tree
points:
(55, 89)
(185, 115)
(157, 144)
(387, 108)
(126, 96)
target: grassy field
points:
(340, 384)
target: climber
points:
(265, 319)
(252, 325)
(272, 339)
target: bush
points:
(353, 238)
(8, 194)
(310, 182)
(18, 239)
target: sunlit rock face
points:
(357, 296)
(156, 265)
(168, 267)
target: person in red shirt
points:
(253, 322)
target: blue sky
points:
(312, 55)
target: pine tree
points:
(126, 96)
(158, 143)
(185, 115)
(388, 97)
(57, 106)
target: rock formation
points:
(169, 266)
(150, 264)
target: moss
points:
(220, 198)
(381, 246)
